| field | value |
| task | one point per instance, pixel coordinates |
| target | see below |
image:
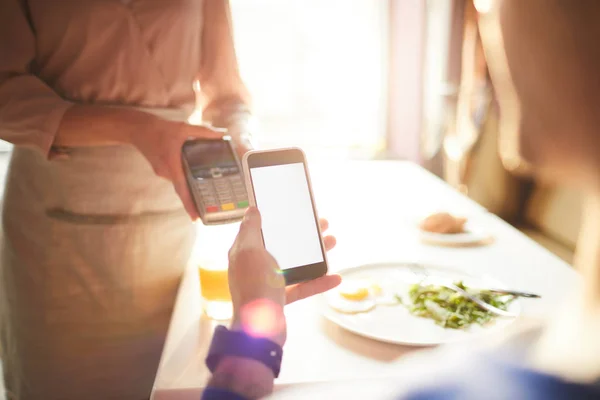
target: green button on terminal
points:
(242, 204)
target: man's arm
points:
(258, 293)
(239, 378)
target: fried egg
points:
(356, 296)
(354, 290)
(351, 306)
(383, 297)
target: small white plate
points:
(474, 235)
(395, 324)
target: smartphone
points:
(278, 184)
(215, 180)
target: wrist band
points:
(239, 344)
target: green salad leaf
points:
(450, 309)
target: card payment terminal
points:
(215, 180)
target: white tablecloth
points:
(372, 207)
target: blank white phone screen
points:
(288, 220)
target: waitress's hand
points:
(162, 148)
(241, 138)
(257, 285)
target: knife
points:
(516, 293)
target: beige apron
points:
(93, 250)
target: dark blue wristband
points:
(220, 394)
(239, 344)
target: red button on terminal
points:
(212, 209)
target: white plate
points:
(394, 324)
(473, 235)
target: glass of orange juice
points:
(213, 243)
(214, 287)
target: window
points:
(317, 71)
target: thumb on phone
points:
(250, 230)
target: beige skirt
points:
(93, 250)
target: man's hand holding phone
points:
(257, 285)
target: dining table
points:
(373, 208)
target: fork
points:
(464, 293)
(421, 271)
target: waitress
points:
(96, 216)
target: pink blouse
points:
(129, 52)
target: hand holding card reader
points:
(215, 180)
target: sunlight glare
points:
(483, 6)
(261, 318)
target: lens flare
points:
(262, 318)
(276, 280)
